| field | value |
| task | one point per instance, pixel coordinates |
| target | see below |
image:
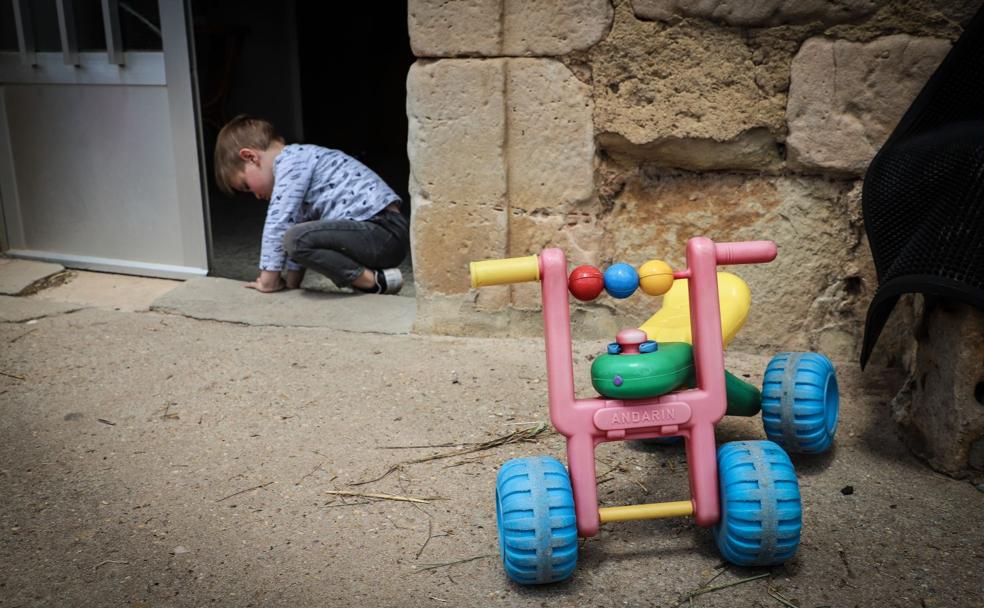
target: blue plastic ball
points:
(621, 280)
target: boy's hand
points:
(268, 282)
(294, 278)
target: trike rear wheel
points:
(534, 508)
(800, 402)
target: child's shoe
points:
(389, 280)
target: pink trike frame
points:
(691, 413)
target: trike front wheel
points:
(534, 508)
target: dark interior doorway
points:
(320, 76)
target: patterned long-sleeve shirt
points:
(315, 183)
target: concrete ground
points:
(199, 444)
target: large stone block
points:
(550, 165)
(442, 28)
(496, 146)
(755, 149)
(845, 98)
(551, 139)
(924, 18)
(761, 13)
(808, 298)
(941, 409)
(445, 238)
(457, 130)
(656, 86)
(456, 28)
(456, 135)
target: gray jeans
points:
(341, 249)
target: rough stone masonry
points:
(617, 130)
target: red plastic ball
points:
(585, 282)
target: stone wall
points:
(616, 130)
(940, 410)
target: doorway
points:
(321, 76)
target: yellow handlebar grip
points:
(509, 270)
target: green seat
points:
(643, 375)
(669, 368)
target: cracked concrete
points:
(226, 300)
(18, 310)
(103, 290)
(153, 459)
(206, 298)
(16, 276)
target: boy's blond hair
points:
(241, 132)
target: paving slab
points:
(105, 290)
(17, 310)
(18, 275)
(227, 300)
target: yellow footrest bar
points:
(680, 508)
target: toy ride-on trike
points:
(664, 380)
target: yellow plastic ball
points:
(655, 277)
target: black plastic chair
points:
(923, 194)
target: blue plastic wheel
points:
(761, 515)
(800, 402)
(534, 509)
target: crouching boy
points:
(327, 211)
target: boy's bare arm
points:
(268, 282)
(294, 278)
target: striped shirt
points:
(314, 183)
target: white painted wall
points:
(94, 172)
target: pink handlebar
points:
(745, 252)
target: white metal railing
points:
(73, 66)
(114, 39)
(66, 30)
(24, 23)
